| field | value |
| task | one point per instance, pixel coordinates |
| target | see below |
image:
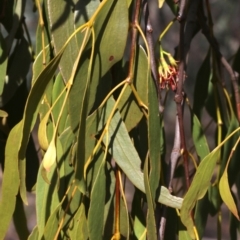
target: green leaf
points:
(97, 202)
(109, 29)
(130, 111)
(153, 137)
(199, 139)
(34, 234)
(198, 188)
(58, 88)
(46, 197)
(62, 26)
(151, 224)
(124, 153)
(79, 222)
(183, 233)
(20, 220)
(226, 194)
(83, 11)
(139, 228)
(201, 86)
(33, 101)
(200, 184)
(3, 62)
(10, 178)
(50, 230)
(201, 215)
(38, 66)
(22, 175)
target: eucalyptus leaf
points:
(10, 178)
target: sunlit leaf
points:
(62, 26)
(33, 101)
(58, 88)
(50, 156)
(160, 3)
(3, 62)
(225, 192)
(199, 185)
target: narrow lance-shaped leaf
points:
(124, 153)
(151, 224)
(199, 185)
(153, 137)
(201, 86)
(224, 188)
(34, 98)
(11, 181)
(97, 202)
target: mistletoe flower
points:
(168, 72)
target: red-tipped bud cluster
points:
(168, 73)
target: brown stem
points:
(179, 101)
(117, 202)
(134, 38)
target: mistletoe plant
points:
(99, 87)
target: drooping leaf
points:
(52, 224)
(225, 191)
(33, 101)
(199, 185)
(79, 230)
(62, 26)
(124, 153)
(97, 202)
(45, 200)
(199, 139)
(20, 225)
(34, 234)
(59, 88)
(226, 194)
(130, 111)
(153, 137)
(139, 227)
(201, 86)
(10, 178)
(151, 223)
(3, 62)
